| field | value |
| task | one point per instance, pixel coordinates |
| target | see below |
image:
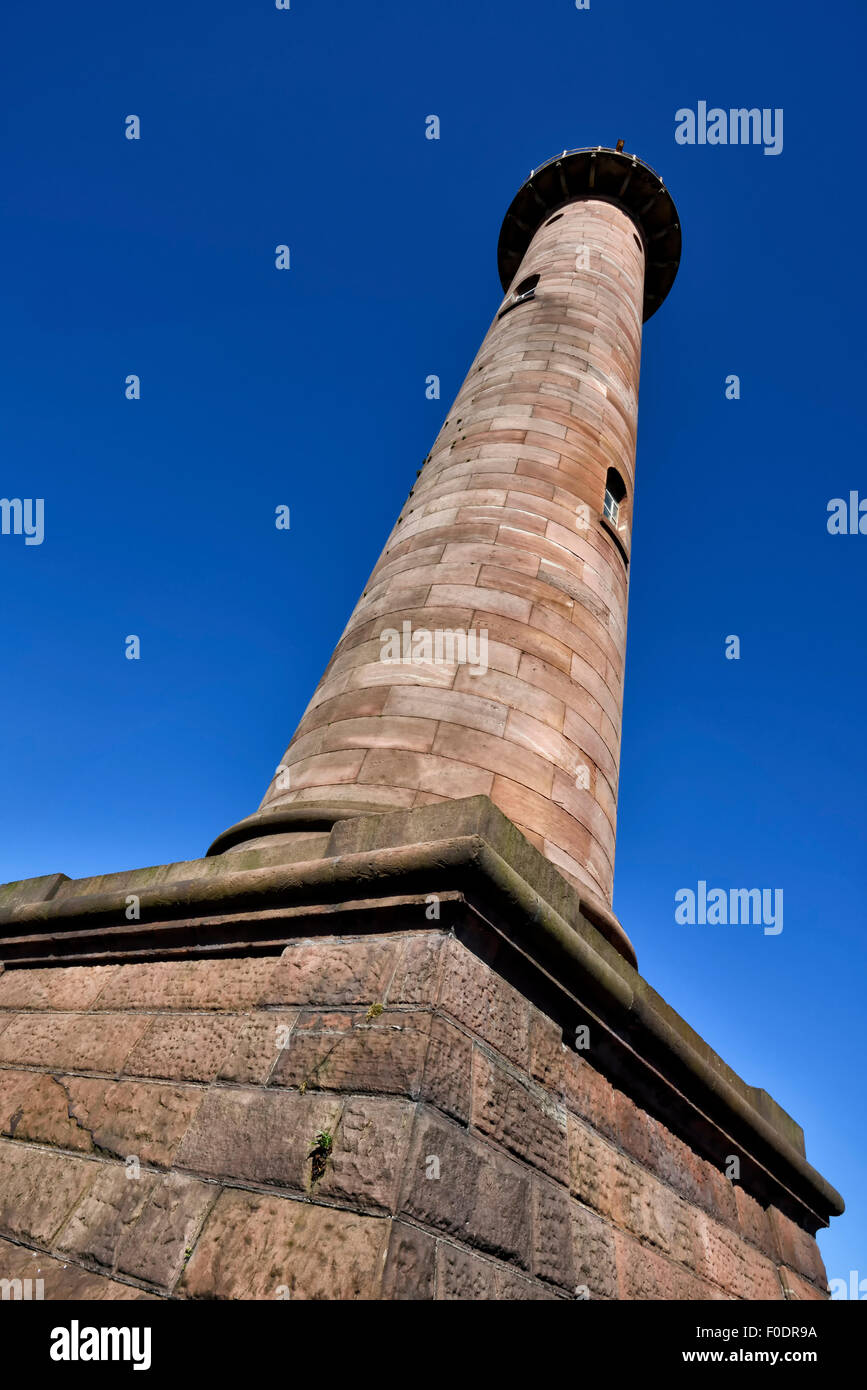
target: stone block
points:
(262, 1247)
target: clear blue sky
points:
(306, 387)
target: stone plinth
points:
(356, 1076)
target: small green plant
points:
(374, 1011)
(320, 1153)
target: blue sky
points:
(306, 388)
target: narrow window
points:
(526, 290)
(615, 492)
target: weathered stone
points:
(651, 1211)
(190, 1047)
(522, 1120)
(130, 1118)
(263, 1136)
(589, 1095)
(595, 1262)
(333, 972)
(257, 1048)
(64, 1283)
(642, 1274)
(109, 1210)
(553, 1250)
(592, 1168)
(230, 984)
(71, 1042)
(693, 1177)
(154, 1249)
(120, 1119)
(410, 1269)
(385, 1053)
(447, 1082)
(366, 1163)
(730, 1262)
(35, 1107)
(255, 1246)
(546, 1052)
(477, 997)
(510, 1287)
(754, 1223)
(798, 1290)
(797, 1249)
(461, 1186)
(416, 974)
(463, 1276)
(76, 988)
(39, 1190)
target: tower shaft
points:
(486, 654)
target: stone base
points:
(356, 1077)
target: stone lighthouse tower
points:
(387, 1039)
(516, 533)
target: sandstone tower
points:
(388, 1039)
(519, 527)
